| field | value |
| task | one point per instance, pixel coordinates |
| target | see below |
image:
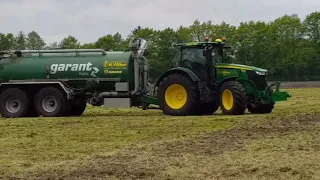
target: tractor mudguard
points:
(181, 70)
(232, 78)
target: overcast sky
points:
(88, 20)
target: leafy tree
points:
(119, 42)
(70, 42)
(88, 46)
(107, 43)
(34, 41)
(134, 31)
(312, 25)
(20, 41)
(7, 41)
(163, 52)
(184, 35)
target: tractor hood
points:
(240, 66)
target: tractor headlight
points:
(261, 73)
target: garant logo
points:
(54, 68)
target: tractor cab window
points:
(176, 58)
(217, 55)
(193, 55)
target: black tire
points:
(60, 105)
(209, 108)
(14, 103)
(261, 109)
(31, 111)
(238, 99)
(77, 106)
(191, 105)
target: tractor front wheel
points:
(178, 95)
(233, 98)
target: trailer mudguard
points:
(180, 70)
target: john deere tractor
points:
(236, 87)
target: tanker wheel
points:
(178, 95)
(233, 98)
(261, 109)
(50, 102)
(14, 103)
(77, 107)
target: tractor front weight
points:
(277, 95)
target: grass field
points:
(137, 144)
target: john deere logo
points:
(83, 69)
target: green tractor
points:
(232, 87)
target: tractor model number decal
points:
(225, 72)
(114, 67)
(83, 69)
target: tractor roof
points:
(197, 43)
(217, 43)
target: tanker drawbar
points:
(61, 82)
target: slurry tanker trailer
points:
(60, 82)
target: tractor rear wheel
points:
(261, 109)
(178, 95)
(233, 98)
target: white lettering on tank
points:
(84, 68)
(74, 67)
(89, 66)
(61, 67)
(67, 67)
(53, 68)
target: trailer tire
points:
(178, 95)
(77, 106)
(50, 102)
(14, 103)
(233, 100)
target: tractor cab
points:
(201, 58)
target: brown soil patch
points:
(192, 157)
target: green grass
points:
(36, 145)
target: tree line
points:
(288, 46)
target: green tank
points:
(67, 64)
(61, 82)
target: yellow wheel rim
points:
(227, 99)
(176, 96)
